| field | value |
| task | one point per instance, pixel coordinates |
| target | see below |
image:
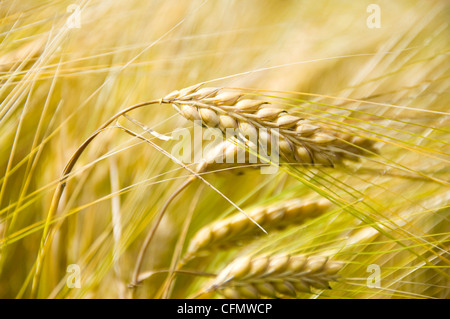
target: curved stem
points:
(135, 279)
(46, 239)
(168, 284)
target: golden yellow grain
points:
(277, 276)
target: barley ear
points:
(282, 276)
(237, 229)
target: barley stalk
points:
(50, 229)
(274, 277)
(300, 140)
(238, 229)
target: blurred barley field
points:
(68, 66)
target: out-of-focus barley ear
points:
(282, 276)
(237, 229)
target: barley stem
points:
(47, 233)
(135, 279)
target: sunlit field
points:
(108, 189)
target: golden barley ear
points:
(275, 277)
(238, 229)
(300, 140)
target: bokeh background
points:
(67, 66)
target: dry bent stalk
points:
(300, 140)
(237, 229)
(273, 277)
